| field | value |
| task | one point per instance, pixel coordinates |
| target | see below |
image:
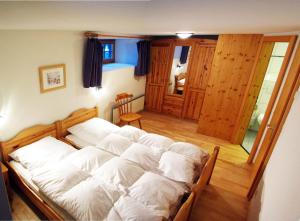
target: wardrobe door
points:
(198, 78)
(156, 79)
(232, 66)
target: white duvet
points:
(118, 179)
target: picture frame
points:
(52, 77)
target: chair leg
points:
(140, 124)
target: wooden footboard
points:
(205, 176)
(50, 213)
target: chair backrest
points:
(124, 103)
(183, 213)
(205, 175)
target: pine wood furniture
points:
(189, 103)
(232, 65)
(57, 130)
(124, 102)
(184, 212)
(178, 89)
(23, 138)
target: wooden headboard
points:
(74, 118)
(25, 137)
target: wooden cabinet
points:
(216, 80)
(159, 96)
(157, 78)
(199, 73)
(232, 66)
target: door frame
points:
(292, 41)
(281, 110)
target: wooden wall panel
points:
(156, 79)
(257, 81)
(232, 66)
(200, 69)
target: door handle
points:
(271, 128)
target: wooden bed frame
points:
(59, 130)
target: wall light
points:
(184, 35)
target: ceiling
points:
(156, 17)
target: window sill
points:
(115, 66)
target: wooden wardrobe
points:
(188, 103)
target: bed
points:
(60, 131)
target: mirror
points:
(179, 68)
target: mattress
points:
(26, 176)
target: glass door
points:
(265, 93)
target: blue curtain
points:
(184, 54)
(93, 61)
(143, 64)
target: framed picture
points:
(52, 77)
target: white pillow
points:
(55, 179)
(119, 172)
(129, 209)
(156, 141)
(131, 132)
(142, 155)
(77, 141)
(89, 159)
(88, 200)
(40, 152)
(198, 155)
(114, 143)
(156, 192)
(177, 167)
(93, 130)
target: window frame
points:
(113, 42)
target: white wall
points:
(277, 197)
(21, 103)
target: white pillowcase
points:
(142, 155)
(88, 200)
(195, 153)
(89, 159)
(114, 143)
(131, 132)
(156, 141)
(77, 141)
(119, 172)
(41, 152)
(156, 192)
(93, 130)
(129, 209)
(177, 167)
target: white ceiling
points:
(156, 17)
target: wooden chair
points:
(183, 213)
(124, 102)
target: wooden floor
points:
(223, 200)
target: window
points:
(108, 51)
